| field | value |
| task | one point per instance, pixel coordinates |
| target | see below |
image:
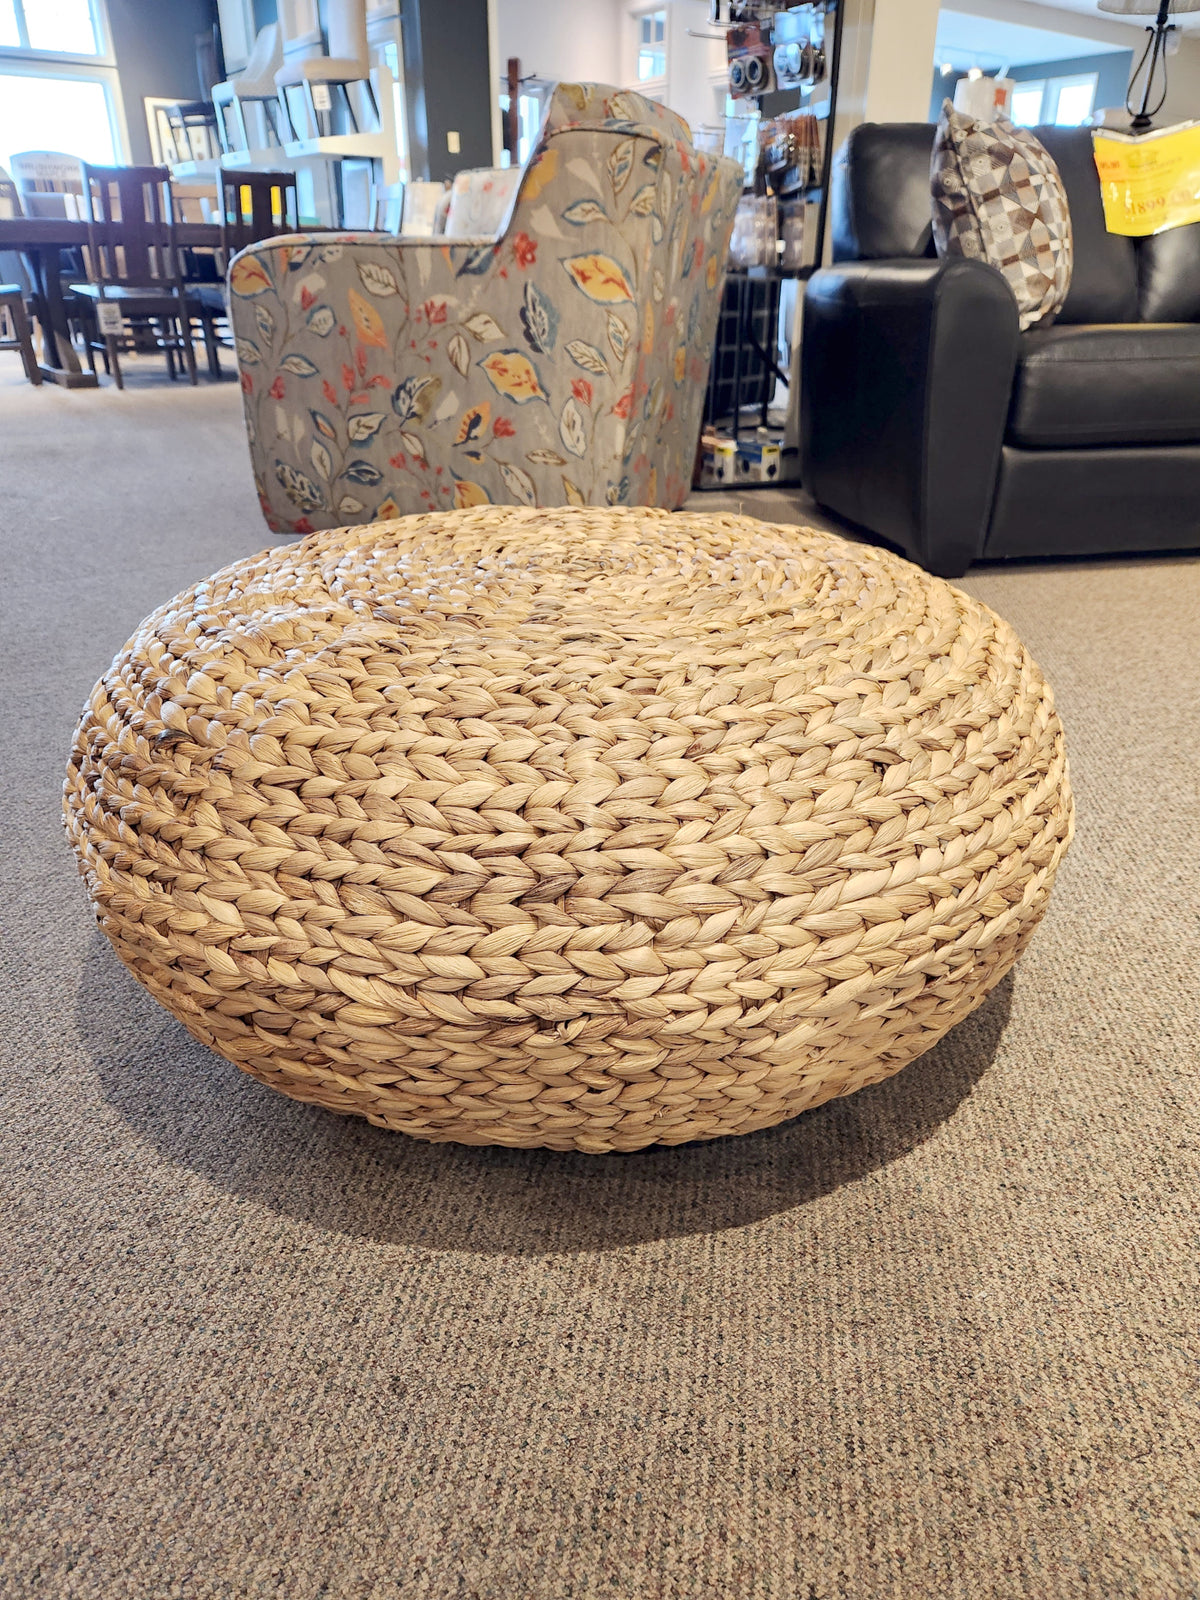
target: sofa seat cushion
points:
(1107, 383)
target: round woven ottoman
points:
(579, 828)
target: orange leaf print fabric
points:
(600, 278)
(248, 277)
(368, 324)
(467, 494)
(385, 376)
(513, 374)
(539, 173)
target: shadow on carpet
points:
(342, 1175)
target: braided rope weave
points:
(580, 828)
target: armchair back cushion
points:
(564, 362)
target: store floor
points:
(935, 1339)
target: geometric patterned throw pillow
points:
(998, 197)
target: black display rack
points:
(745, 369)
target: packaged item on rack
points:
(755, 231)
(791, 234)
(748, 47)
(721, 13)
(791, 147)
(799, 47)
(718, 462)
(758, 461)
(726, 462)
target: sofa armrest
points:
(906, 376)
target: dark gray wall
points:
(1112, 66)
(154, 42)
(448, 84)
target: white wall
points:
(888, 48)
(572, 40)
(692, 63)
(593, 41)
(903, 45)
(1183, 84)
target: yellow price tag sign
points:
(1150, 183)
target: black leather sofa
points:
(929, 420)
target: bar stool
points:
(254, 84)
(13, 302)
(347, 61)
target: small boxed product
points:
(757, 461)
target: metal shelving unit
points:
(752, 359)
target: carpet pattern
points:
(936, 1338)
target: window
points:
(1074, 99)
(741, 119)
(58, 81)
(62, 27)
(1027, 104)
(1066, 102)
(68, 114)
(652, 45)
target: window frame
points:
(1051, 88)
(636, 18)
(1028, 85)
(1072, 80)
(103, 56)
(27, 62)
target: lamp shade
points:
(1145, 8)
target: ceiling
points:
(965, 41)
(1190, 21)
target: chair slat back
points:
(130, 232)
(256, 205)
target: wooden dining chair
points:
(49, 183)
(134, 276)
(254, 206)
(12, 306)
(251, 206)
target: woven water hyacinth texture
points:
(998, 197)
(580, 828)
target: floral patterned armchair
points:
(562, 362)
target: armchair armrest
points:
(906, 376)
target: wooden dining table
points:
(39, 240)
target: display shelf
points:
(754, 359)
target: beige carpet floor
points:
(938, 1339)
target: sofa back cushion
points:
(881, 207)
(1169, 275)
(1104, 284)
